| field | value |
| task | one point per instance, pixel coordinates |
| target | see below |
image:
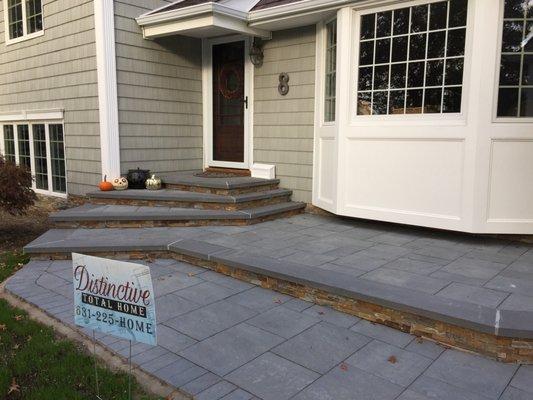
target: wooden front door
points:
(229, 102)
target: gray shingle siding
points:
(159, 95)
(58, 70)
(284, 125)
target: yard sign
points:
(114, 297)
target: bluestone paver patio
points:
(235, 341)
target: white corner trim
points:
(104, 18)
(32, 115)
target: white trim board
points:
(104, 18)
(32, 115)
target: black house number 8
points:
(283, 87)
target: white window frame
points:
(324, 40)
(25, 34)
(407, 119)
(495, 118)
(46, 123)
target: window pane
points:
(422, 54)
(508, 103)
(381, 77)
(526, 103)
(365, 78)
(438, 15)
(452, 100)
(399, 49)
(419, 18)
(417, 47)
(382, 51)
(366, 53)
(379, 103)
(512, 36)
(368, 24)
(527, 70)
(514, 9)
(432, 100)
(23, 134)
(436, 44)
(397, 102)
(39, 150)
(414, 101)
(401, 21)
(9, 143)
(434, 73)
(510, 70)
(456, 42)
(383, 24)
(458, 11)
(454, 71)
(57, 153)
(364, 103)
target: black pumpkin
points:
(137, 178)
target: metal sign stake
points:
(129, 377)
(96, 367)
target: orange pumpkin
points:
(105, 186)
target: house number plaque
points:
(283, 87)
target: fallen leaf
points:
(14, 387)
(29, 338)
(2, 327)
(15, 347)
(419, 340)
(18, 317)
(321, 313)
(190, 274)
(277, 301)
(344, 366)
(392, 359)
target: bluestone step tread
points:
(185, 196)
(94, 212)
(236, 182)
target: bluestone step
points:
(95, 216)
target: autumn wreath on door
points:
(230, 81)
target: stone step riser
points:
(504, 349)
(193, 204)
(170, 223)
(227, 192)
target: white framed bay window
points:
(40, 147)
(410, 58)
(23, 20)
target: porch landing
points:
(467, 291)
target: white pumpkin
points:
(120, 183)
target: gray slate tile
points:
(332, 316)
(169, 283)
(180, 372)
(425, 348)
(349, 383)
(389, 362)
(523, 379)
(238, 394)
(297, 304)
(474, 373)
(474, 268)
(436, 389)
(473, 294)
(406, 280)
(172, 340)
(217, 391)
(209, 320)
(513, 285)
(517, 302)
(383, 333)
(271, 377)
(206, 293)
(228, 350)
(201, 383)
(414, 266)
(224, 280)
(321, 347)
(283, 322)
(170, 306)
(512, 393)
(259, 299)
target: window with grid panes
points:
(9, 143)
(24, 17)
(411, 59)
(515, 91)
(330, 71)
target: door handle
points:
(245, 101)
